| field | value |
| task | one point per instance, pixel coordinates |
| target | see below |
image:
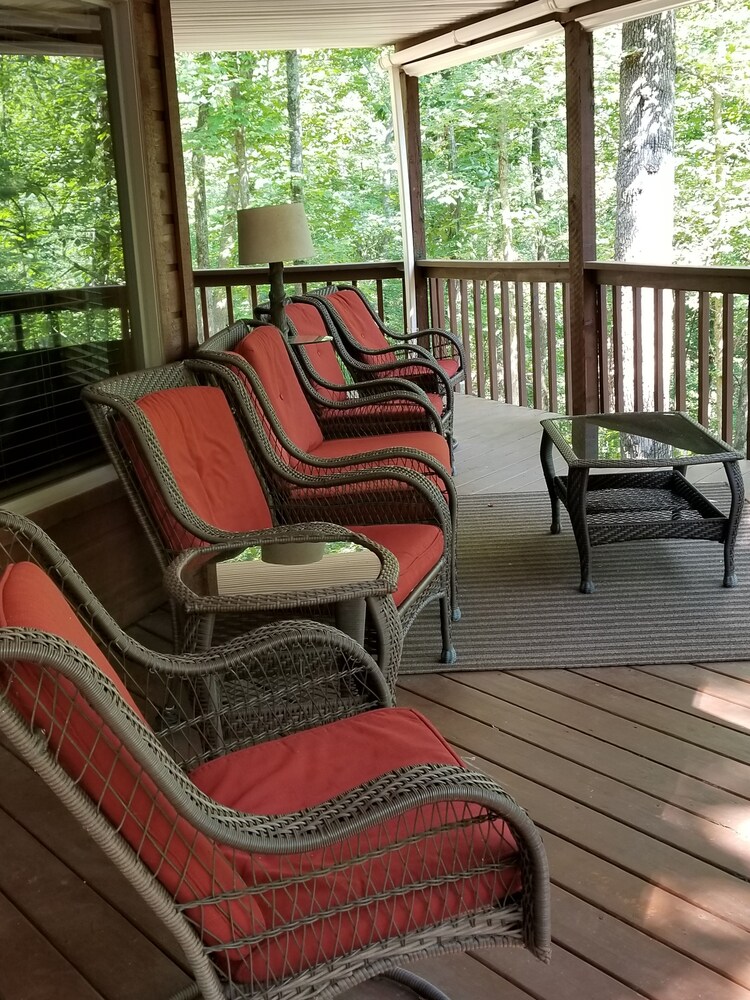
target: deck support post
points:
(398, 103)
(579, 86)
(413, 131)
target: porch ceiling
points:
(311, 24)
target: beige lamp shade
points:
(273, 233)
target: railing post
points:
(579, 85)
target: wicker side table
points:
(650, 497)
(354, 580)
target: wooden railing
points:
(668, 337)
(223, 295)
(513, 321)
(676, 338)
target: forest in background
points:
(266, 127)
(672, 120)
(494, 147)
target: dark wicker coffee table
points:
(650, 497)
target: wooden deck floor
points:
(639, 779)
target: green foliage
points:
(350, 184)
(59, 220)
(477, 123)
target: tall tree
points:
(295, 124)
(645, 182)
(645, 171)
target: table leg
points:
(548, 468)
(578, 481)
(350, 618)
(737, 489)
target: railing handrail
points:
(497, 270)
(674, 276)
(297, 273)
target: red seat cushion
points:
(184, 861)
(265, 351)
(336, 885)
(417, 547)
(449, 366)
(428, 441)
(306, 319)
(207, 458)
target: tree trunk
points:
(645, 170)
(296, 184)
(645, 175)
(503, 187)
(538, 187)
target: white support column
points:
(407, 234)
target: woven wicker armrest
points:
(273, 681)
(374, 393)
(438, 337)
(423, 361)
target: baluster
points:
(465, 334)
(658, 349)
(491, 339)
(551, 349)
(479, 337)
(230, 304)
(704, 346)
(680, 363)
(536, 346)
(523, 396)
(637, 351)
(567, 348)
(204, 313)
(507, 355)
(617, 347)
(727, 367)
(601, 319)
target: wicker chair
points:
(270, 382)
(319, 366)
(374, 343)
(197, 476)
(294, 832)
(309, 315)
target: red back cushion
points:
(184, 860)
(265, 351)
(325, 362)
(358, 320)
(203, 447)
(306, 319)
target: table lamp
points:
(270, 235)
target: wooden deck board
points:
(639, 778)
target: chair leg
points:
(448, 654)
(420, 987)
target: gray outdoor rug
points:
(655, 601)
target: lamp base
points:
(277, 296)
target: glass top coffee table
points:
(646, 495)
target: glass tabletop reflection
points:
(626, 438)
